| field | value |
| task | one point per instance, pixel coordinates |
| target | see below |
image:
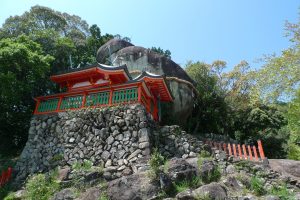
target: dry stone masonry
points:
(114, 137)
(118, 138)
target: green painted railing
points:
(121, 96)
(91, 99)
(71, 102)
(48, 105)
(97, 99)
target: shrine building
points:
(100, 85)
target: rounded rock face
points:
(138, 59)
(110, 47)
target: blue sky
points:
(195, 30)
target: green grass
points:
(257, 186)
(85, 166)
(41, 187)
(282, 192)
(155, 162)
(214, 175)
(186, 184)
(103, 196)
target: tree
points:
(210, 110)
(280, 75)
(166, 53)
(294, 126)
(23, 69)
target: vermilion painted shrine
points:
(102, 85)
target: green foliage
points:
(204, 196)
(294, 126)
(186, 184)
(212, 176)
(282, 192)
(23, 69)
(41, 187)
(204, 154)
(257, 186)
(10, 196)
(86, 165)
(280, 75)
(159, 50)
(155, 162)
(103, 196)
(210, 112)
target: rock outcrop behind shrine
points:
(119, 52)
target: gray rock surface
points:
(286, 167)
(213, 190)
(65, 194)
(135, 186)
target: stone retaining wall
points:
(114, 137)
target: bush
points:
(294, 152)
(257, 186)
(41, 187)
(155, 162)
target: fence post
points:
(234, 150)
(224, 147)
(240, 151)
(245, 152)
(255, 153)
(250, 152)
(260, 149)
(229, 149)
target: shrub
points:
(213, 176)
(155, 162)
(257, 186)
(41, 187)
(204, 154)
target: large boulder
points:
(109, 48)
(178, 169)
(133, 187)
(140, 59)
(213, 191)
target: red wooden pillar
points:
(245, 152)
(255, 153)
(110, 97)
(84, 100)
(250, 152)
(240, 151)
(9, 171)
(37, 106)
(229, 149)
(260, 149)
(59, 103)
(140, 94)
